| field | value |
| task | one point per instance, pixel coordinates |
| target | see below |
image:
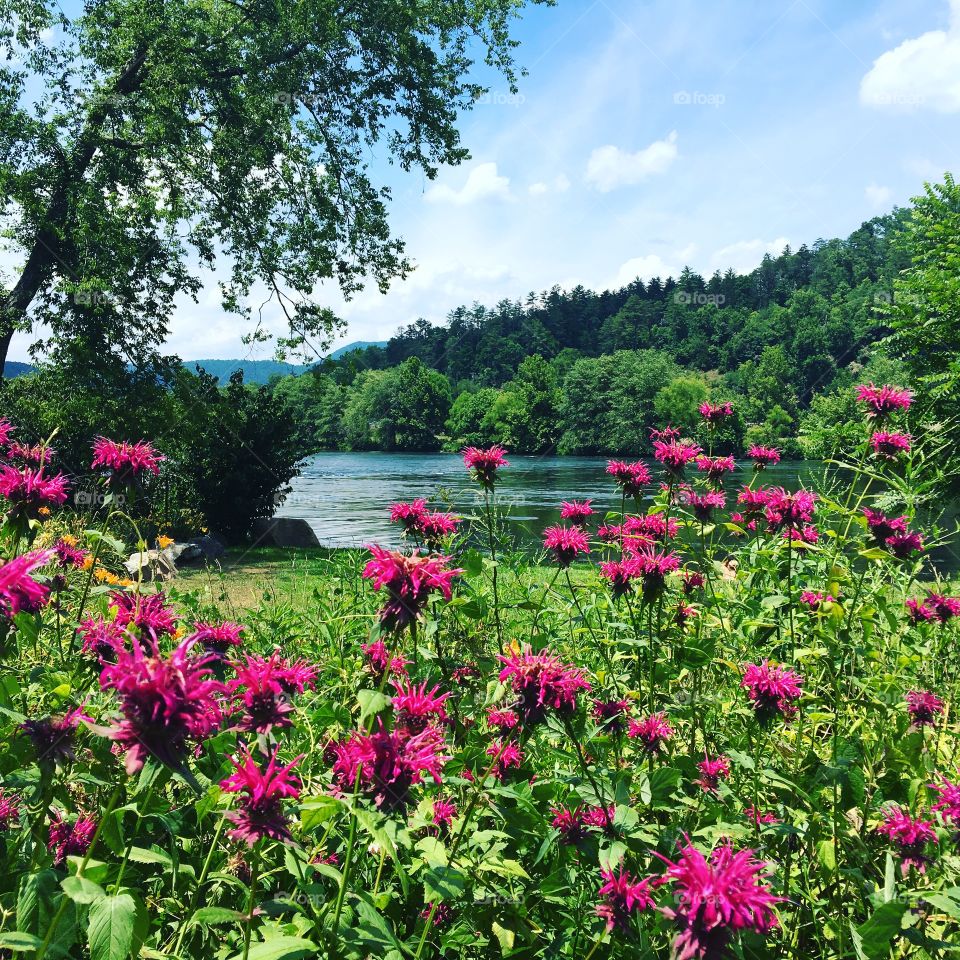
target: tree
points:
(678, 403)
(465, 425)
(140, 141)
(536, 429)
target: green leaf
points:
(143, 855)
(444, 883)
(278, 948)
(82, 890)
(110, 930)
(210, 916)
(19, 941)
(433, 851)
(371, 703)
(874, 936)
(504, 936)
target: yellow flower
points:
(44, 511)
(165, 542)
(88, 561)
(125, 582)
(105, 576)
(70, 539)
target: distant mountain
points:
(14, 369)
(260, 371)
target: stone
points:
(285, 532)
(211, 549)
(150, 565)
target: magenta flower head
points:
(716, 468)
(19, 592)
(652, 731)
(570, 824)
(416, 707)
(483, 464)
(712, 772)
(621, 896)
(69, 554)
(409, 581)
(125, 463)
(693, 580)
(653, 566)
(68, 839)
(789, 510)
(166, 702)
(715, 413)
(265, 701)
(218, 638)
(25, 454)
(881, 527)
(703, 504)
(102, 639)
(890, 445)
(409, 515)
(944, 608)
(437, 526)
(909, 836)
(920, 612)
(565, 543)
(814, 599)
(675, 455)
(772, 691)
(717, 899)
(6, 431)
(542, 683)
(148, 613)
(948, 804)
(9, 808)
(612, 715)
(259, 814)
(54, 738)
(31, 491)
(763, 457)
(924, 707)
(576, 511)
(507, 756)
(386, 764)
(883, 401)
(443, 813)
(630, 477)
(667, 434)
(904, 545)
(639, 531)
(502, 720)
(380, 661)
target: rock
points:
(150, 565)
(285, 532)
(181, 554)
(211, 549)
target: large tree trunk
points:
(47, 249)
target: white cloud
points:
(559, 184)
(920, 73)
(878, 197)
(610, 167)
(744, 255)
(646, 268)
(482, 181)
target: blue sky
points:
(650, 135)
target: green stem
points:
(254, 876)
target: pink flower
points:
(703, 504)
(19, 592)
(126, 462)
(772, 690)
(620, 574)
(508, 756)
(807, 534)
(612, 714)
(102, 638)
(814, 599)
(387, 763)
(692, 580)
(919, 611)
(502, 720)
(716, 899)
(683, 613)
(416, 707)
(622, 895)
(760, 818)
(265, 700)
(483, 464)
(6, 431)
(653, 566)
(165, 702)
(37, 454)
(218, 638)
(882, 401)
(712, 772)
(890, 445)
(443, 813)
(69, 554)
(31, 491)
(53, 737)
(667, 434)
(69, 839)
(442, 915)
(147, 612)
(260, 812)
(410, 515)
(754, 502)
(881, 527)
(381, 661)
(945, 608)
(903, 545)
(715, 413)
(469, 671)
(629, 477)
(763, 456)
(576, 511)
(542, 682)
(948, 804)
(565, 543)
(924, 707)
(716, 467)
(789, 510)
(652, 731)
(9, 804)
(909, 836)
(640, 530)
(435, 526)
(675, 455)
(570, 824)
(409, 581)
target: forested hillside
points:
(582, 372)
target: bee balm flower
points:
(629, 477)
(565, 543)
(910, 837)
(483, 464)
(622, 895)
(883, 401)
(125, 462)
(259, 813)
(542, 682)
(19, 592)
(772, 690)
